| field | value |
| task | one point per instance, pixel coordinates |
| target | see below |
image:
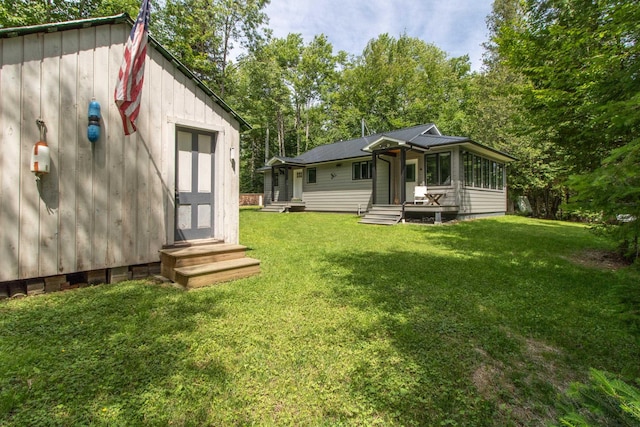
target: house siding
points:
(335, 190)
(478, 201)
(104, 204)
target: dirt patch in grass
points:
(508, 384)
(601, 259)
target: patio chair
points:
(420, 194)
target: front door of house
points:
(297, 183)
(194, 184)
(410, 178)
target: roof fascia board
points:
(476, 147)
(433, 126)
(371, 147)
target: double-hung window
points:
(438, 167)
(311, 175)
(362, 170)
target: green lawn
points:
(474, 323)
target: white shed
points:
(115, 203)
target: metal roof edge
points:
(6, 33)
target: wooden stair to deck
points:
(274, 208)
(382, 215)
(203, 265)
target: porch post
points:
(374, 183)
(403, 176)
(286, 184)
(273, 182)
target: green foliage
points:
(401, 82)
(476, 323)
(17, 13)
(605, 400)
(581, 58)
(202, 33)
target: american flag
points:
(131, 75)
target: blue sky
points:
(456, 26)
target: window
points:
(311, 176)
(477, 171)
(410, 172)
(482, 173)
(362, 170)
(486, 173)
(275, 179)
(468, 169)
(438, 168)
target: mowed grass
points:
(475, 323)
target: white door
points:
(298, 176)
(411, 174)
(194, 184)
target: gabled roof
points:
(422, 136)
(120, 19)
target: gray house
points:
(414, 172)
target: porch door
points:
(298, 177)
(194, 184)
(411, 177)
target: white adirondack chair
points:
(420, 194)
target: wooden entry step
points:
(382, 215)
(195, 260)
(197, 276)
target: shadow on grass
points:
(472, 294)
(102, 355)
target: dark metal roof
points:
(121, 19)
(354, 147)
(422, 136)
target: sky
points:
(456, 26)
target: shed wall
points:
(110, 203)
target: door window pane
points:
(204, 216)
(184, 161)
(184, 217)
(411, 172)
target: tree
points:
(583, 61)
(499, 116)
(401, 82)
(16, 13)
(202, 33)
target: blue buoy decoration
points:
(93, 130)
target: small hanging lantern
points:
(93, 130)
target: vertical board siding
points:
(100, 170)
(29, 199)
(67, 151)
(104, 204)
(11, 88)
(49, 195)
(84, 164)
(154, 222)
